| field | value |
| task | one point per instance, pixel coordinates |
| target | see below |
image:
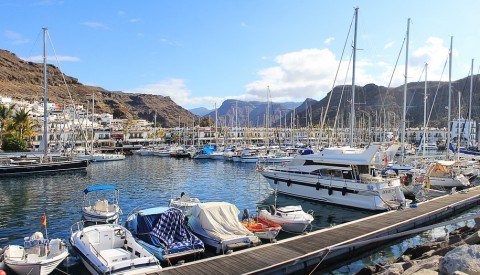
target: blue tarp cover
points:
(99, 188)
(166, 230)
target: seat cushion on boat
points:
(15, 252)
(101, 206)
(115, 255)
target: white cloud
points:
(121, 13)
(96, 25)
(329, 40)
(15, 37)
(243, 25)
(134, 20)
(174, 88)
(389, 45)
(297, 75)
(61, 58)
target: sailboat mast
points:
(352, 109)
(449, 96)
(45, 100)
(425, 114)
(404, 116)
(93, 119)
(471, 90)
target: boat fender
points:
(330, 191)
(275, 182)
(289, 182)
(344, 191)
(317, 186)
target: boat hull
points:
(11, 170)
(356, 195)
(40, 267)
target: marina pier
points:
(316, 250)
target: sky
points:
(200, 53)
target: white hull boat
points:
(291, 218)
(111, 249)
(100, 204)
(338, 176)
(37, 256)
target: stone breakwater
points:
(456, 253)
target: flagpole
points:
(44, 223)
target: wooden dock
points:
(302, 253)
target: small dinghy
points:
(111, 249)
(163, 232)
(36, 256)
(291, 218)
(262, 228)
(100, 204)
(217, 225)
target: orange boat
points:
(265, 230)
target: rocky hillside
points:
(379, 103)
(24, 80)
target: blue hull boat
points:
(164, 233)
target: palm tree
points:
(22, 124)
(5, 118)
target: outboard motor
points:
(273, 210)
(246, 215)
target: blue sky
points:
(202, 52)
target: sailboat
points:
(45, 163)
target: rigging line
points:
(436, 92)
(335, 79)
(393, 73)
(64, 80)
(415, 91)
(341, 94)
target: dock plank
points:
(285, 253)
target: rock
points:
(465, 258)
(419, 250)
(425, 272)
(431, 263)
(366, 271)
(473, 239)
(393, 269)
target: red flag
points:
(385, 159)
(44, 220)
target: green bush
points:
(14, 144)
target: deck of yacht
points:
(302, 253)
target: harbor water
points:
(147, 181)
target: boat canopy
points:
(99, 188)
(218, 220)
(166, 229)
